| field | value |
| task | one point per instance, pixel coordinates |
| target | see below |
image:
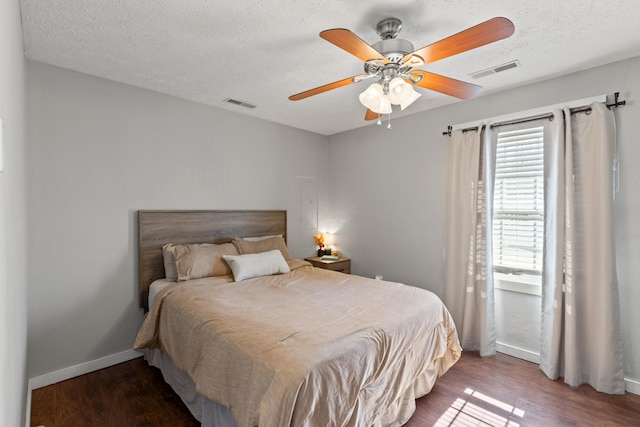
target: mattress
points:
(156, 287)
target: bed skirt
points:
(208, 412)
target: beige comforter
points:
(308, 348)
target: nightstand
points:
(342, 265)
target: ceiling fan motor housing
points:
(394, 49)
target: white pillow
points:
(256, 265)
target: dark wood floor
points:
(493, 391)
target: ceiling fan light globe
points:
(370, 98)
(384, 106)
(414, 95)
(399, 91)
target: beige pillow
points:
(202, 260)
(170, 272)
(249, 247)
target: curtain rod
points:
(616, 103)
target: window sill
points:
(523, 283)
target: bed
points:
(303, 347)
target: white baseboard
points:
(520, 353)
(632, 386)
(75, 371)
(81, 369)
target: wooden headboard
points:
(157, 228)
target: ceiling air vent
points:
(238, 102)
(496, 69)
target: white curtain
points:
(468, 291)
(580, 306)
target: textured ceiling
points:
(262, 51)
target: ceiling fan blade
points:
(353, 44)
(446, 85)
(321, 89)
(370, 115)
(487, 32)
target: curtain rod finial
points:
(616, 102)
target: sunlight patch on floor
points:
(463, 413)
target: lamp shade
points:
(399, 91)
(414, 95)
(370, 98)
(384, 107)
(328, 239)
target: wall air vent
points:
(238, 102)
(496, 69)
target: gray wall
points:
(387, 187)
(98, 151)
(13, 284)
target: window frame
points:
(520, 168)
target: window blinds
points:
(518, 208)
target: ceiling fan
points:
(394, 63)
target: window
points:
(518, 208)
